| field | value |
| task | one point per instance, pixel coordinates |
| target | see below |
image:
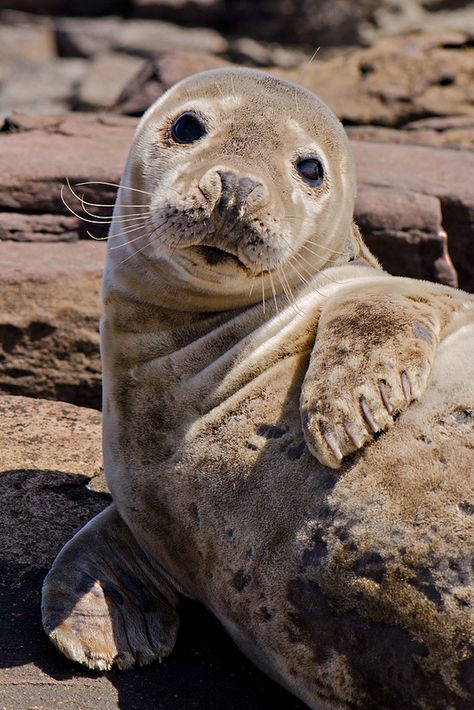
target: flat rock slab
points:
(456, 132)
(38, 154)
(440, 173)
(50, 485)
(49, 318)
(396, 81)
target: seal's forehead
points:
(260, 92)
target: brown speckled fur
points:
(352, 587)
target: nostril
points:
(258, 195)
(229, 180)
(240, 192)
(211, 185)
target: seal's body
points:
(251, 345)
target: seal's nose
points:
(238, 193)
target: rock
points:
(458, 213)
(49, 452)
(38, 154)
(43, 436)
(145, 38)
(45, 87)
(37, 227)
(456, 132)
(433, 172)
(298, 22)
(404, 231)
(245, 50)
(104, 79)
(398, 17)
(159, 74)
(85, 37)
(206, 13)
(87, 8)
(398, 80)
(25, 6)
(26, 42)
(49, 317)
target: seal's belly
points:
(212, 476)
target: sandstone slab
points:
(26, 42)
(49, 317)
(20, 227)
(83, 37)
(104, 79)
(158, 75)
(148, 37)
(443, 174)
(205, 13)
(398, 80)
(404, 231)
(38, 155)
(44, 87)
(455, 132)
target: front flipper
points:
(104, 603)
(372, 357)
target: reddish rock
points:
(443, 174)
(36, 160)
(456, 132)
(396, 81)
(41, 87)
(459, 215)
(37, 434)
(159, 74)
(37, 227)
(49, 317)
(186, 12)
(79, 37)
(26, 42)
(404, 231)
(104, 79)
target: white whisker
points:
(322, 246)
(313, 56)
(273, 291)
(129, 241)
(138, 251)
(113, 184)
(251, 286)
(98, 204)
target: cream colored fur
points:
(225, 419)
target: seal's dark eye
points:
(311, 170)
(187, 128)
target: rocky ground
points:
(399, 74)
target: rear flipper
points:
(104, 603)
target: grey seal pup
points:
(255, 360)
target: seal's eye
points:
(311, 170)
(187, 128)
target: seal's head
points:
(243, 175)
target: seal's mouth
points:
(214, 256)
